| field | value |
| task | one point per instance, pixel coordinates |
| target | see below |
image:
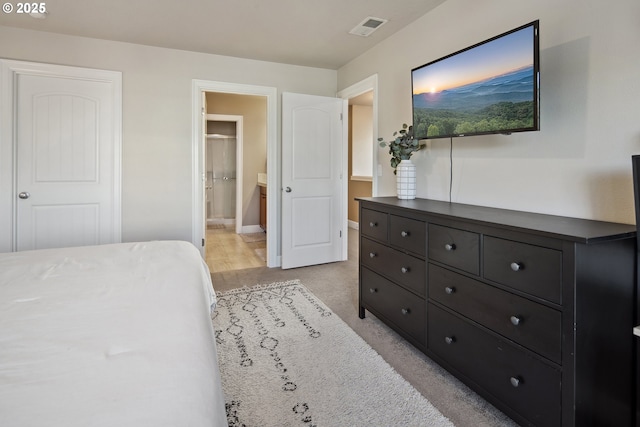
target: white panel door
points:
(313, 163)
(66, 162)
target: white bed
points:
(111, 335)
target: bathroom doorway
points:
(235, 155)
(223, 171)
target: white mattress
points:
(112, 335)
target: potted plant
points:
(403, 146)
(401, 149)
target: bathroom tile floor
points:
(225, 250)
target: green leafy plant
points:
(403, 146)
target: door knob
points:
(24, 195)
(288, 189)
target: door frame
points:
(199, 87)
(356, 89)
(239, 121)
(9, 71)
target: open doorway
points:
(223, 171)
(200, 89)
(360, 152)
(363, 133)
(235, 124)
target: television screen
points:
(488, 88)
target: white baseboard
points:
(246, 229)
(354, 225)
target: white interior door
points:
(314, 148)
(67, 169)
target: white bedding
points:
(111, 335)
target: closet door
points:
(67, 157)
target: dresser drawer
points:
(402, 308)
(525, 384)
(408, 234)
(530, 324)
(457, 248)
(402, 268)
(532, 269)
(373, 224)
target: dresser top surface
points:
(567, 228)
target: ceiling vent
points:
(368, 26)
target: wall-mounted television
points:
(489, 88)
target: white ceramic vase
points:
(406, 180)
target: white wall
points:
(157, 170)
(579, 164)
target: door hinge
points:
(341, 118)
(203, 243)
(340, 233)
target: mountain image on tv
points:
(497, 104)
(490, 87)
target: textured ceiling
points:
(302, 32)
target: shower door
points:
(221, 179)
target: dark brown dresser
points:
(534, 312)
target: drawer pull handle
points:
(373, 290)
(516, 320)
(517, 266)
(404, 270)
(373, 224)
(450, 290)
(516, 381)
(449, 340)
(372, 254)
(404, 233)
(405, 311)
(450, 247)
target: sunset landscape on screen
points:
(488, 88)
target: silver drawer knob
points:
(515, 381)
(404, 270)
(517, 266)
(404, 233)
(373, 224)
(450, 247)
(515, 320)
(449, 340)
(405, 311)
(372, 254)
(450, 290)
(373, 290)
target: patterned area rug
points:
(287, 360)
